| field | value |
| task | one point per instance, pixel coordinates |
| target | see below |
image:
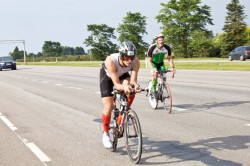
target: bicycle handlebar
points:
(115, 91)
(169, 70)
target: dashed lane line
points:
(39, 154)
(7, 122)
(33, 148)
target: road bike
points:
(163, 92)
(126, 122)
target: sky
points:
(65, 21)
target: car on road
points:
(7, 62)
(240, 53)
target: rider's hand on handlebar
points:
(127, 89)
(174, 71)
(137, 88)
(153, 73)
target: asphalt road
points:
(52, 116)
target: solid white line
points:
(58, 84)
(7, 122)
(42, 156)
(248, 124)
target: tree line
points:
(183, 23)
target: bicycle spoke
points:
(167, 97)
(133, 137)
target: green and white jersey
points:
(158, 54)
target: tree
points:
(17, 54)
(215, 51)
(200, 44)
(248, 35)
(180, 19)
(51, 49)
(100, 40)
(79, 51)
(133, 28)
(234, 28)
(68, 50)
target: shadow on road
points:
(175, 152)
(207, 106)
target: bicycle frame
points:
(122, 110)
(131, 131)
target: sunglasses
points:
(125, 57)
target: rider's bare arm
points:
(134, 73)
(150, 63)
(110, 65)
(170, 60)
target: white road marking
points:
(42, 156)
(72, 87)
(45, 82)
(58, 84)
(178, 109)
(7, 122)
(98, 92)
(248, 124)
(34, 79)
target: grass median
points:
(203, 64)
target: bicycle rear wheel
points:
(167, 97)
(133, 136)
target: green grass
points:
(237, 66)
(66, 63)
(196, 64)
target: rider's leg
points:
(154, 80)
(106, 115)
(163, 68)
(106, 87)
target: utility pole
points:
(24, 53)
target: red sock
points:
(105, 122)
(130, 100)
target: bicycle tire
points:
(113, 137)
(133, 142)
(152, 101)
(167, 97)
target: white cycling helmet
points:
(158, 36)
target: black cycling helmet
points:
(158, 36)
(127, 48)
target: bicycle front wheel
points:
(133, 136)
(152, 100)
(167, 97)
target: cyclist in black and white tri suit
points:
(115, 73)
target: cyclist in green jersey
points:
(156, 55)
